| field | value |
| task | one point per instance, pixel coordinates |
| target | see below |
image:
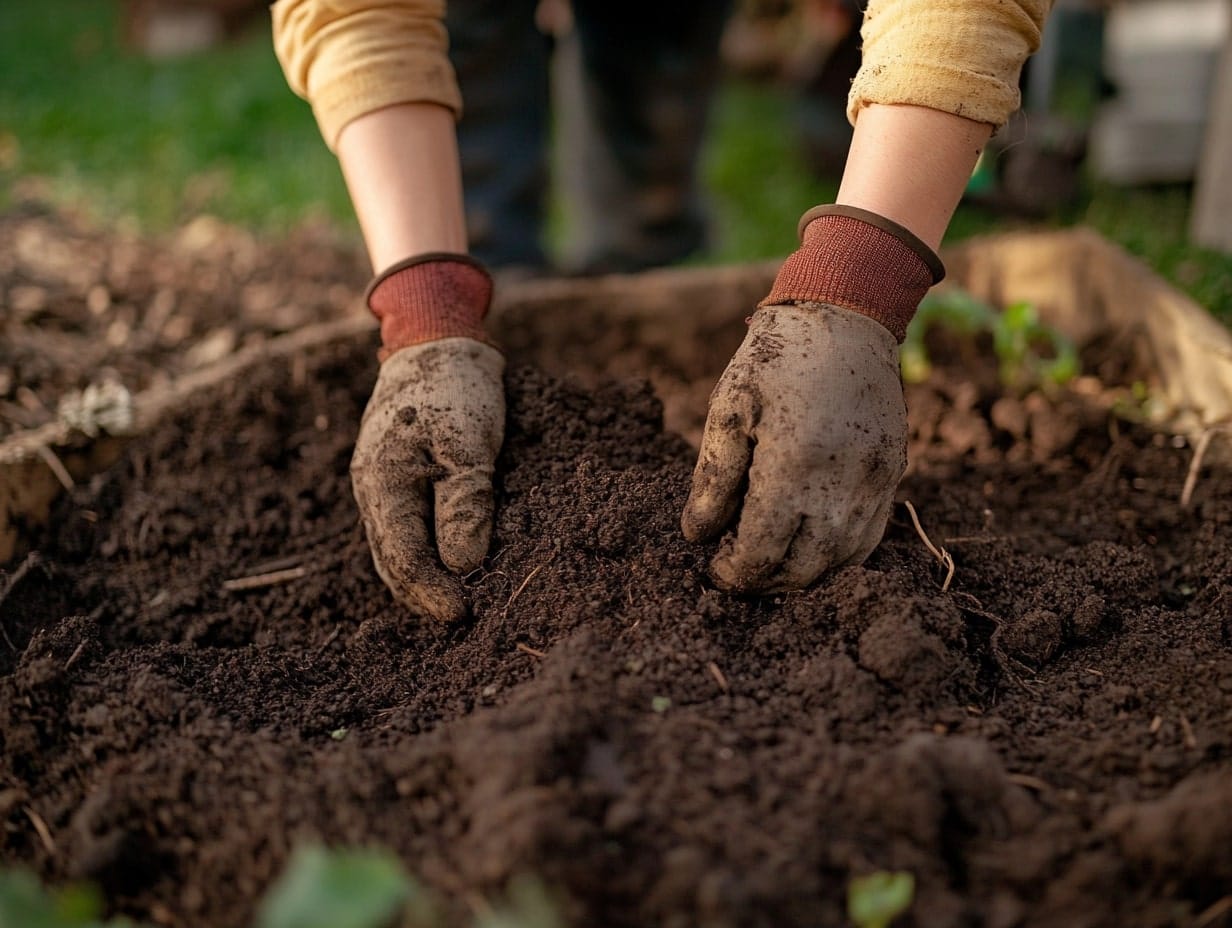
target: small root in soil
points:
(942, 555)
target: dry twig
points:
(524, 584)
(52, 460)
(32, 560)
(533, 652)
(72, 658)
(940, 554)
(1213, 912)
(718, 675)
(329, 639)
(1026, 781)
(43, 831)
(272, 578)
(1187, 734)
(1195, 465)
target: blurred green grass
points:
(92, 127)
(110, 133)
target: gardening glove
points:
(807, 427)
(427, 446)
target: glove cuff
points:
(859, 261)
(430, 297)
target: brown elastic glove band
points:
(430, 297)
(860, 261)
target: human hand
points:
(422, 469)
(810, 413)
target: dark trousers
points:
(633, 84)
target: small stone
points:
(98, 300)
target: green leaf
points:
(24, 903)
(874, 901)
(529, 905)
(337, 889)
(913, 359)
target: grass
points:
(88, 125)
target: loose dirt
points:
(199, 669)
(83, 304)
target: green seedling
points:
(320, 888)
(344, 889)
(1017, 337)
(24, 903)
(528, 904)
(956, 311)
(874, 901)
(1029, 352)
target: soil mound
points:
(201, 668)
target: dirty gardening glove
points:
(808, 421)
(423, 462)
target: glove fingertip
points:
(708, 509)
(464, 511)
(462, 547)
(731, 573)
(442, 603)
(697, 523)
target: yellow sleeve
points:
(959, 56)
(351, 57)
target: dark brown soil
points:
(80, 304)
(1049, 742)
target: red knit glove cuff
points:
(429, 297)
(860, 261)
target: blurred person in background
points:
(806, 435)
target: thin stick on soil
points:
(533, 652)
(52, 460)
(940, 554)
(1026, 781)
(43, 831)
(72, 658)
(329, 639)
(1187, 734)
(523, 585)
(32, 560)
(257, 581)
(1213, 912)
(1195, 465)
(719, 678)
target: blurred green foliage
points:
(342, 889)
(320, 888)
(24, 903)
(88, 123)
(875, 900)
(1030, 354)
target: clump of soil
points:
(1045, 743)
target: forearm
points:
(938, 76)
(402, 170)
(911, 164)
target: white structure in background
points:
(1162, 56)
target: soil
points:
(1047, 742)
(84, 304)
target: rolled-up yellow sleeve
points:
(959, 56)
(351, 57)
